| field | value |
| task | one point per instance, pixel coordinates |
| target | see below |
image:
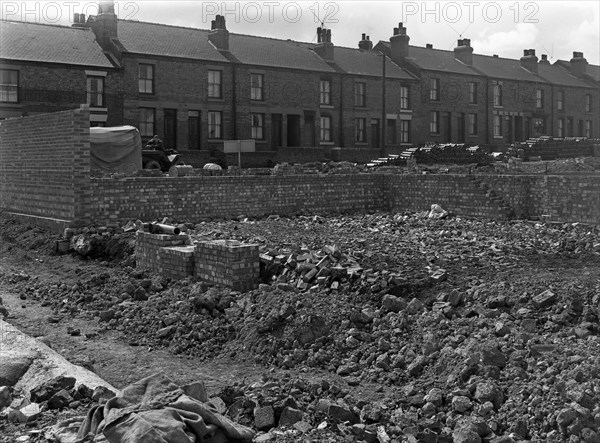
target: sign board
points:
(239, 146)
(233, 146)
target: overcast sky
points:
(555, 28)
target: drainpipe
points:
(234, 101)
(383, 122)
(341, 111)
(487, 110)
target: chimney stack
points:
(464, 51)
(429, 46)
(365, 43)
(544, 60)
(219, 35)
(529, 61)
(104, 26)
(324, 47)
(578, 64)
(399, 44)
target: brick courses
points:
(227, 262)
(148, 249)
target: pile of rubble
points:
(467, 330)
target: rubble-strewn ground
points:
(370, 327)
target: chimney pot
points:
(364, 36)
(578, 64)
(76, 18)
(429, 46)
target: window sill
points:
(498, 137)
(98, 109)
(326, 143)
(434, 134)
(326, 106)
(215, 99)
(361, 144)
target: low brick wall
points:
(227, 262)
(190, 198)
(148, 247)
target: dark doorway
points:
(447, 127)
(570, 127)
(193, 129)
(580, 128)
(375, 133)
(293, 130)
(170, 138)
(276, 139)
(527, 128)
(519, 129)
(461, 126)
(309, 128)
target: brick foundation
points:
(227, 262)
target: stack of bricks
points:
(148, 247)
(227, 262)
(177, 262)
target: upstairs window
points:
(9, 85)
(434, 89)
(325, 92)
(539, 98)
(214, 84)
(256, 86)
(560, 101)
(472, 93)
(404, 97)
(146, 79)
(95, 92)
(497, 92)
(359, 94)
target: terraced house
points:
(197, 88)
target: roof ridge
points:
(51, 25)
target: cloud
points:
(511, 43)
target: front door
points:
(170, 128)
(375, 133)
(276, 139)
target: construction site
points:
(440, 295)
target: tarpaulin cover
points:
(116, 149)
(153, 410)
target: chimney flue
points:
(399, 44)
(529, 61)
(578, 64)
(219, 35)
(365, 43)
(464, 52)
(324, 47)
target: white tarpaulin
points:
(116, 149)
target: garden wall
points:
(45, 167)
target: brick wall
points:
(198, 197)
(45, 167)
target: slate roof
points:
(362, 62)
(436, 60)
(592, 71)
(166, 40)
(559, 76)
(504, 68)
(265, 51)
(50, 43)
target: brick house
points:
(47, 68)
(473, 98)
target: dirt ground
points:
(395, 340)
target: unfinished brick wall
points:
(200, 197)
(45, 167)
(227, 262)
(148, 248)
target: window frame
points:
(473, 92)
(497, 126)
(434, 89)
(405, 131)
(325, 129)
(257, 91)
(473, 124)
(404, 97)
(7, 88)
(360, 94)
(560, 101)
(215, 87)
(143, 125)
(214, 124)
(89, 93)
(588, 129)
(257, 132)
(497, 94)
(561, 128)
(145, 80)
(434, 122)
(539, 98)
(325, 92)
(360, 130)
(588, 102)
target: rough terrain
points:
(369, 327)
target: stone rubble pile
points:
(467, 330)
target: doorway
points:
(375, 133)
(293, 130)
(170, 128)
(276, 139)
